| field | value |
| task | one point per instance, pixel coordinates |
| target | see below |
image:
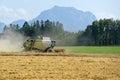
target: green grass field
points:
(92, 49)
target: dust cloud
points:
(11, 41)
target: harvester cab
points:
(44, 44)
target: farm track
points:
(51, 66)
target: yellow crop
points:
(59, 68)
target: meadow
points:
(92, 49)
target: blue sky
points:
(11, 10)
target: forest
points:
(103, 32)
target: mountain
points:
(1, 26)
(72, 19)
(19, 22)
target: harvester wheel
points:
(50, 51)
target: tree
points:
(104, 32)
(28, 30)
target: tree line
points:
(47, 28)
(102, 32)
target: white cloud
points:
(5, 11)
(23, 14)
(7, 15)
(102, 15)
(22, 11)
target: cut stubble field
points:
(60, 67)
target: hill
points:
(72, 19)
(19, 22)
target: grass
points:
(92, 49)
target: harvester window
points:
(31, 40)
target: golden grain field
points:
(59, 68)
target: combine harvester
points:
(44, 44)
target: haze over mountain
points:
(1, 26)
(72, 19)
(19, 22)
